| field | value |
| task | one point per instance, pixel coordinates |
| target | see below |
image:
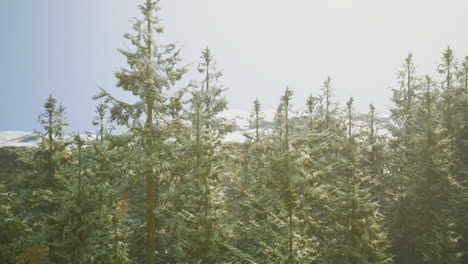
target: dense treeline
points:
(316, 187)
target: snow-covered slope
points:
(241, 121)
(17, 139)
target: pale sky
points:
(69, 48)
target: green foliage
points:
(13, 229)
(441, 244)
(315, 187)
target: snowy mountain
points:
(240, 120)
(17, 139)
(243, 123)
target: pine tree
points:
(448, 69)
(14, 231)
(435, 187)
(311, 102)
(462, 75)
(257, 113)
(455, 106)
(376, 157)
(47, 178)
(358, 235)
(291, 222)
(376, 169)
(402, 162)
(308, 190)
(101, 121)
(327, 96)
(289, 191)
(461, 151)
(250, 204)
(442, 243)
(82, 219)
(203, 239)
(51, 150)
(152, 68)
(114, 185)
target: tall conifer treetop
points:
(152, 69)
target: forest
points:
(324, 185)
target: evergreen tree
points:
(448, 69)
(442, 243)
(376, 158)
(402, 162)
(204, 236)
(461, 152)
(455, 106)
(291, 221)
(152, 68)
(257, 113)
(462, 75)
(102, 122)
(115, 186)
(434, 185)
(47, 178)
(51, 153)
(250, 203)
(327, 96)
(82, 221)
(311, 102)
(308, 188)
(358, 235)
(13, 230)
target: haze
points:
(69, 49)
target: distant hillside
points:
(17, 139)
(241, 123)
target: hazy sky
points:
(68, 48)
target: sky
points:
(69, 49)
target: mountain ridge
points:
(241, 119)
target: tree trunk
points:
(150, 203)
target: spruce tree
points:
(82, 220)
(152, 68)
(47, 178)
(14, 230)
(251, 203)
(461, 151)
(402, 158)
(448, 69)
(435, 189)
(463, 75)
(101, 121)
(311, 102)
(442, 244)
(51, 152)
(376, 156)
(257, 113)
(291, 221)
(455, 107)
(357, 231)
(327, 96)
(204, 235)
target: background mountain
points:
(241, 123)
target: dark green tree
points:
(47, 178)
(152, 68)
(402, 160)
(204, 233)
(14, 231)
(357, 228)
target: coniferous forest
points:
(322, 185)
